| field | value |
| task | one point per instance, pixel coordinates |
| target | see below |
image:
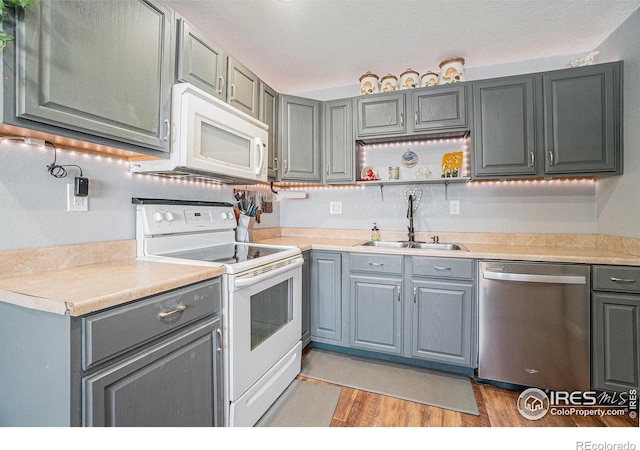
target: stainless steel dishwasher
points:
(534, 324)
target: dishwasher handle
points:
(534, 278)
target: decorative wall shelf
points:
(445, 181)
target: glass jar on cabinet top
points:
(451, 70)
(389, 83)
(409, 79)
(369, 83)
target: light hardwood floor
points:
(497, 407)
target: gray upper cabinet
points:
(381, 114)
(582, 131)
(439, 108)
(338, 142)
(200, 62)
(243, 88)
(103, 69)
(561, 123)
(299, 138)
(269, 115)
(504, 127)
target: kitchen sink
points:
(417, 245)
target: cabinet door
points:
(581, 120)
(326, 296)
(269, 115)
(439, 108)
(200, 61)
(299, 138)
(376, 313)
(616, 342)
(306, 299)
(101, 68)
(381, 114)
(243, 88)
(441, 328)
(504, 131)
(339, 142)
(177, 382)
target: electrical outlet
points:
(335, 207)
(76, 203)
(454, 207)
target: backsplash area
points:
(33, 205)
(562, 206)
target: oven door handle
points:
(244, 282)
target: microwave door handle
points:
(259, 145)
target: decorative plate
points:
(409, 159)
(369, 173)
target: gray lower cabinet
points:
(326, 297)
(615, 314)
(243, 88)
(156, 361)
(306, 298)
(376, 303)
(269, 114)
(338, 142)
(299, 138)
(94, 71)
(560, 123)
(200, 61)
(443, 310)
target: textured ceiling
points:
(305, 45)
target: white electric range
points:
(262, 290)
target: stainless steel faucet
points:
(411, 233)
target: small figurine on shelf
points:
(369, 174)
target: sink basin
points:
(388, 244)
(418, 245)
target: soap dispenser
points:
(375, 233)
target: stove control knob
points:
(223, 215)
(169, 217)
(157, 216)
(230, 215)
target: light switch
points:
(335, 207)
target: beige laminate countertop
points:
(88, 288)
(584, 255)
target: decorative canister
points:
(369, 83)
(429, 79)
(389, 83)
(394, 172)
(409, 79)
(451, 70)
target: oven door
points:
(264, 321)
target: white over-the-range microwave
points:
(210, 140)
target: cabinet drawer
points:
(377, 263)
(442, 267)
(113, 332)
(616, 278)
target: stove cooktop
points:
(227, 253)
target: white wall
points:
(33, 203)
(618, 198)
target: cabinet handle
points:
(165, 314)
(532, 158)
(551, 163)
(415, 118)
(415, 294)
(233, 92)
(622, 280)
(220, 84)
(376, 264)
(399, 292)
(286, 166)
(441, 268)
(168, 124)
(327, 169)
(402, 119)
(275, 166)
(219, 333)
